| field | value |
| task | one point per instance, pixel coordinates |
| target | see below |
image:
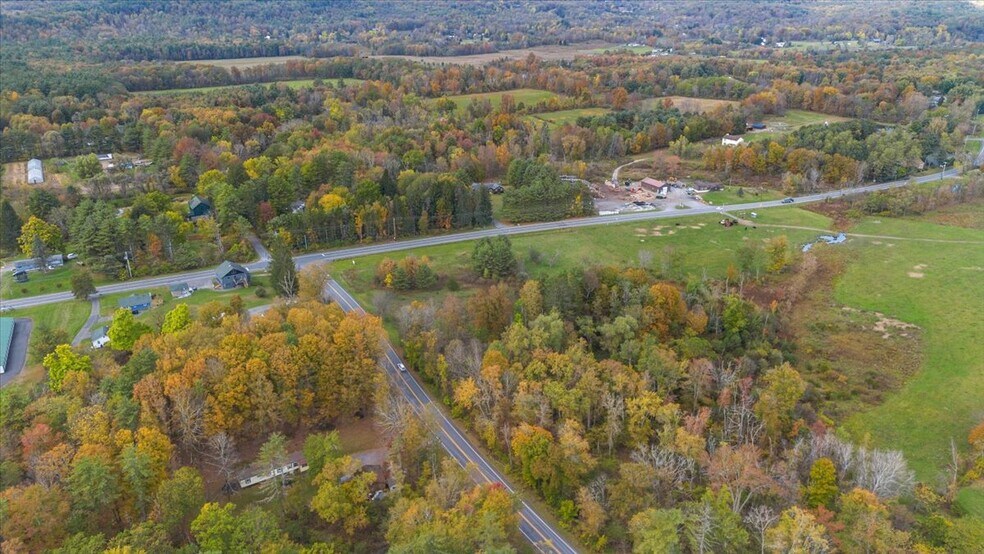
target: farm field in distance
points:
(545, 52)
(527, 96)
(564, 117)
(687, 104)
(243, 63)
(295, 84)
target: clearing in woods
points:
(565, 117)
(528, 96)
(686, 104)
(243, 63)
(295, 84)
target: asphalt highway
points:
(394, 246)
(541, 534)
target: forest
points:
(698, 385)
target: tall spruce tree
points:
(283, 272)
(10, 227)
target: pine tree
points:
(10, 227)
(283, 272)
(483, 208)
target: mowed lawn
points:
(295, 84)
(565, 117)
(703, 243)
(163, 302)
(528, 96)
(939, 287)
(749, 194)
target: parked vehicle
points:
(788, 200)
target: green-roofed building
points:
(6, 337)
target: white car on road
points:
(401, 366)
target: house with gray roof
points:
(231, 275)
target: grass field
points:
(973, 146)
(622, 49)
(705, 244)
(730, 195)
(686, 104)
(565, 117)
(295, 84)
(777, 125)
(548, 52)
(939, 287)
(39, 282)
(246, 62)
(528, 96)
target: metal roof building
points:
(6, 336)
(34, 173)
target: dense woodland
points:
(651, 410)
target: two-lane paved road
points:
(543, 536)
(378, 248)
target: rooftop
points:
(135, 300)
(6, 335)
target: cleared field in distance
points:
(686, 104)
(299, 83)
(549, 53)
(622, 49)
(246, 62)
(564, 117)
(792, 120)
(528, 96)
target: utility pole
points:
(126, 256)
(944, 171)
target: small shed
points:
(198, 207)
(180, 290)
(731, 140)
(20, 275)
(136, 303)
(231, 275)
(100, 337)
(35, 175)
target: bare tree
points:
(614, 407)
(760, 518)
(223, 456)
(701, 528)
(187, 411)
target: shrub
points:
(260, 292)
